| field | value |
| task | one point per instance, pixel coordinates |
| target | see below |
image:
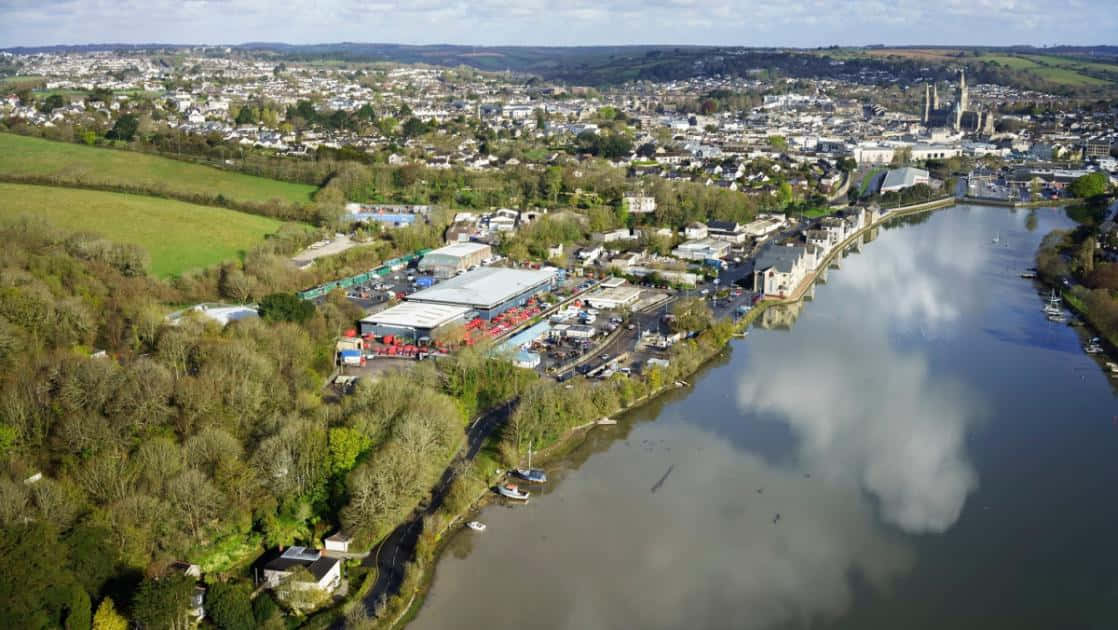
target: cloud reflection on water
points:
(868, 413)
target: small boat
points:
(1058, 318)
(533, 475)
(1113, 367)
(996, 239)
(477, 526)
(1052, 309)
(1093, 346)
(1054, 299)
(607, 421)
(1028, 275)
(512, 491)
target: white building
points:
(640, 204)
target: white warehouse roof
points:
(459, 250)
(417, 315)
(484, 288)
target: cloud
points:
(867, 412)
(702, 552)
(572, 22)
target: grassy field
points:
(178, 236)
(20, 155)
(1054, 68)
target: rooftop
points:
(485, 287)
(459, 249)
(417, 315)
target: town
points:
(482, 241)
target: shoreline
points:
(568, 443)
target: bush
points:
(286, 307)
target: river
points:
(939, 455)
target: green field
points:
(23, 156)
(178, 236)
(1062, 70)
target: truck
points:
(351, 358)
(715, 263)
(424, 282)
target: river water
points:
(939, 455)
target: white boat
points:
(534, 475)
(1113, 367)
(477, 526)
(996, 239)
(1059, 318)
(512, 491)
(607, 421)
(1028, 275)
(1092, 346)
(1054, 299)
(1052, 309)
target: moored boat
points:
(1092, 346)
(512, 491)
(533, 475)
(477, 526)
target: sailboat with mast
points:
(533, 475)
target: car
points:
(604, 357)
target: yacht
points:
(477, 526)
(1093, 346)
(1059, 318)
(533, 475)
(1052, 309)
(512, 491)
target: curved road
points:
(398, 548)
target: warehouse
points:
(444, 262)
(413, 320)
(490, 291)
(614, 298)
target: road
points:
(392, 555)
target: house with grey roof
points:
(779, 270)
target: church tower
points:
(927, 103)
(964, 99)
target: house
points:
(779, 270)
(338, 542)
(695, 231)
(727, 231)
(588, 255)
(326, 573)
(640, 204)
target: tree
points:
(779, 143)
(246, 116)
(42, 593)
(92, 556)
(286, 307)
(1087, 186)
(51, 103)
(413, 127)
(107, 618)
(230, 607)
(264, 608)
(162, 603)
(124, 128)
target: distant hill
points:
(1076, 71)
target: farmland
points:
(178, 236)
(1055, 69)
(22, 156)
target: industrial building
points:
(705, 249)
(444, 262)
(905, 177)
(614, 298)
(413, 320)
(490, 290)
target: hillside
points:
(22, 156)
(178, 236)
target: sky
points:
(803, 23)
